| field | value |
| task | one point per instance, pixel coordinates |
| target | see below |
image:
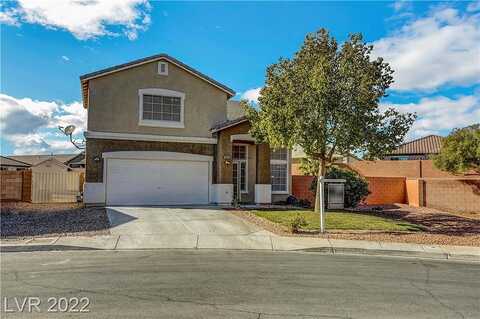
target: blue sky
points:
(46, 45)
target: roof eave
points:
(228, 125)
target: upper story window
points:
(279, 170)
(162, 68)
(162, 108)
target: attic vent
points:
(163, 68)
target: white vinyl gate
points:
(55, 187)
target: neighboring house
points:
(77, 163)
(161, 133)
(43, 163)
(9, 164)
(419, 149)
(298, 154)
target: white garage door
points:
(156, 182)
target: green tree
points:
(326, 100)
(460, 151)
(309, 166)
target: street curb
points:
(327, 250)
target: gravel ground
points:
(21, 219)
(440, 228)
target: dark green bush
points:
(356, 187)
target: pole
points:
(322, 205)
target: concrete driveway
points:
(141, 221)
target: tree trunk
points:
(321, 173)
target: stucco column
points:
(263, 164)
(263, 188)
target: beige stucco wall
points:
(114, 101)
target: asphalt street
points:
(234, 284)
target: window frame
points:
(239, 163)
(159, 68)
(285, 162)
(161, 123)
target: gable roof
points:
(6, 161)
(36, 159)
(229, 123)
(162, 56)
(54, 161)
(430, 144)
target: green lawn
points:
(338, 220)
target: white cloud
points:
(401, 5)
(440, 114)
(442, 48)
(8, 16)
(85, 19)
(474, 6)
(31, 126)
(66, 58)
(251, 95)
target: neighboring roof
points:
(430, 144)
(86, 77)
(227, 124)
(6, 161)
(36, 159)
(234, 110)
(54, 161)
(79, 159)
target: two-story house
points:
(162, 133)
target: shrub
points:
(297, 223)
(356, 187)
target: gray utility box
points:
(336, 195)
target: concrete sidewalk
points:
(242, 242)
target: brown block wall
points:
(460, 195)
(409, 169)
(386, 168)
(414, 192)
(301, 187)
(11, 185)
(385, 190)
(27, 186)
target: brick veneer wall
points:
(461, 195)
(95, 148)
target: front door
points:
(239, 171)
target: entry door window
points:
(239, 155)
(239, 172)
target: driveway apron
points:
(177, 221)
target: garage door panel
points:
(156, 182)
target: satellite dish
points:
(69, 130)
